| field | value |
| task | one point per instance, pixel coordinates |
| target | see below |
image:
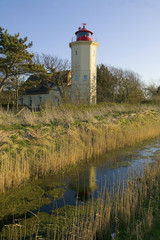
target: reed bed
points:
(33, 144)
(126, 213)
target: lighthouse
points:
(84, 66)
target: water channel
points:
(79, 184)
(88, 180)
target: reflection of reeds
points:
(38, 143)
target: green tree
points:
(118, 85)
(106, 84)
(15, 59)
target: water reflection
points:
(84, 183)
(104, 173)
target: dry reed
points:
(34, 144)
(127, 213)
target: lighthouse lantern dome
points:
(83, 34)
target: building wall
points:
(35, 101)
(84, 69)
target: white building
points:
(81, 81)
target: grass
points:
(34, 144)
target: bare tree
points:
(150, 91)
(118, 85)
(58, 71)
(129, 86)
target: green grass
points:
(154, 233)
(11, 127)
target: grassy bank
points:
(34, 144)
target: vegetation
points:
(7, 99)
(152, 94)
(15, 61)
(129, 211)
(57, 74)
(117, 85)
(33, 144)
(106, 84)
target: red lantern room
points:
(83, 34)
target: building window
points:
(40, 102)
(76, 77)
(93, 99)
(85, 77)
(76, 53)
(93, 77)
(22, 100)
(30, 101)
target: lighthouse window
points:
(93, 77)
(83, 34)
(76, 77)
(76, 52)
(85, 77)
(93, 52)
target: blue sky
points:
(128, 31)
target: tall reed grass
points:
(34, 144)
(126, 213)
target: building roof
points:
(43, 83)
(84, 29)
(37, 90)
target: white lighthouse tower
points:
(84, 66)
